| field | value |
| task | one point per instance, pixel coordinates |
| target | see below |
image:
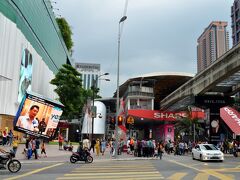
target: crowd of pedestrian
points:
(149, 147)
(34, 147)
(144, 148)
(99, 145)
(7, 137)
(231, 147)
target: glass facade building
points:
(31, 52)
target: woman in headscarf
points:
(97, 147)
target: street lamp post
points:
(93, 95)
(118, 65)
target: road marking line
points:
(105, 171)
(33, 172)
(196, 164)
(185, 165)
(113, 167)
(118, 166)
(218, 175)
(126, 167)
(177, 176)
(226, 170)
(132, 176)
(111, 173)
(201, 176)
(210, 172)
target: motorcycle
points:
(68, 147)
(85, 155)
(7, 162)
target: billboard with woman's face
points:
(38, 116)
(25, 80)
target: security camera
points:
(100, 116)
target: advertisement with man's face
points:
(38, 116)
(25, 80)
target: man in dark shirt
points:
(42, 126)
(93, 145)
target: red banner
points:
(232, 118)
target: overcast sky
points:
(158, 35)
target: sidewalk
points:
(51, 150)
(56, 155)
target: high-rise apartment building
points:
(212, 43)
(235, 15)
(89, 72)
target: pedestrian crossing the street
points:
(127, 170)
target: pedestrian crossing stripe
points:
(133, 177)
(121, 170)
(143, 171)
(113, 173)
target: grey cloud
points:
(159, 35)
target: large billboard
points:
(37, 116)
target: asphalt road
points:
(171, 167)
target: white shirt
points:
(26, 123)
(86, 143)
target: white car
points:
(206, 152)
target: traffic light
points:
(120, 120)
(112, 122)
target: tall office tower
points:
(89, 72)
(235, 22)
(212, 43)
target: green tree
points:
(66, 32)
(186, 125)
(70, 91)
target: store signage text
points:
(169, 115)
(233, 115)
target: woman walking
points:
(160, 150)
(15, 145)
(43, 149)
(97, 147)
(103, 146)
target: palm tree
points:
(188, 126)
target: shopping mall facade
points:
(145, 118)
(31, 52)
(140, 105)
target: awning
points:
(232, 118)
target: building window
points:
(88, 81)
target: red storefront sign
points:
(232, 118)
(157, 115)
(63, 124)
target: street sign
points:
(130, 120)
(94, 111)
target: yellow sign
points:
(130, 120)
